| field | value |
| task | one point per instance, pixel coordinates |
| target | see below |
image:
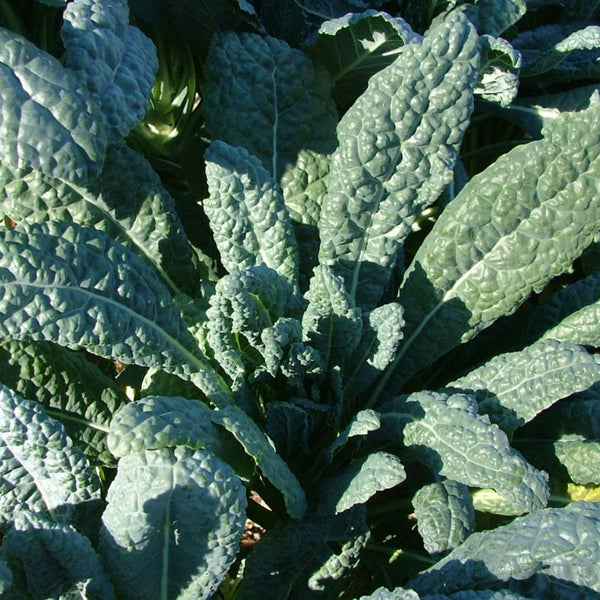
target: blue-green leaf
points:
(457, 443)
(331, 322)
(499, 73)
(172, 525)
(49, 120)
(357, 45)
(397, 148)
(247, 213)
(56, 560)
(513, 388)
(359, 482)
(259, 447)
(512, 228)
(267, 97)
(560, 546)
(76, 287)
(496, 16)
(40, 470)
(115, 61)
(382, 332)
(127, 201)
(72, 390)
(580, 457)
(445, 515)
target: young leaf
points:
(513, 388)
(78, 288)
(445, 515)
(40, 470)
(249, 219)
(559, 546)
(71, 389)
(359, 482)
(382, 332)
(114, 61)
(457, 443)
(258, 446)
(56, 560)
(172, 525)
(507, 233)
(244, 305)
(397, 148)
(331, 323)
(49, 120)
(286, 105)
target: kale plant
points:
(299, 300)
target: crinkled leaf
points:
(331, 322)
(558, 545)
(361, 424)
(382, 332)
(76, 287)
(286, 105)
(397, 594)
(581, 458)
(546, 46)
(244, 305)
(116, 62)
(533, 113)
(49, 120)
(161, 422)
(56, 560)
(397, 147)
(127, 201)
(290, 425)
(496, 16)
(258, 446)
(173, 523)
(72, 390)
(41, 471)
(445, 515)
(305, 559)
(507, 233)
(247, 213)
(357, 45)
(450, 437)
(360, 481)
(499, 73)
(513, 388)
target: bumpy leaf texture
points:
(454, 441)
(115, 61)
(172, 525)
(512, 228)
(558, 547)
(397, 147)
(41, 471)
(513, 388)
(72, 390)
(267, 97)
(247, 213)
(56, 560)
(76, 287)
